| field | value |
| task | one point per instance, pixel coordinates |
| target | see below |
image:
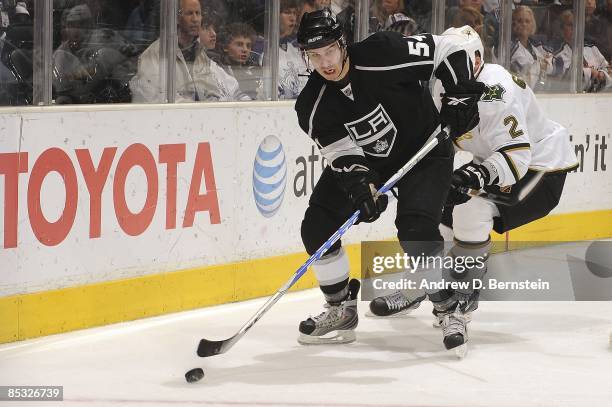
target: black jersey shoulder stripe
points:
(513, 147)
(511, 165)
(392, 67)
(451, 70)
(314, 109)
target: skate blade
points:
(460, 351)
(400, 314)
(333, 337)
(437, 323)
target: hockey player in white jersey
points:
(513, 144)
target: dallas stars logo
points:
(495, 92)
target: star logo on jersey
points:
(493, 93)
(375, 132)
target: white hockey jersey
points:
(514, 134)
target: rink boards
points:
(120, 212)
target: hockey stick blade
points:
(208, 348)
(211, 348)
(506, 200)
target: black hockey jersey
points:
(384, 114)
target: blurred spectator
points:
(596, 28)
(90, 65)
(292, 75)
(402, 24)
(238, 59)
(481, 17)
(451, 12)
(142, 27)
(468, 16)
(208, 33)
(338, 5)
(606, 15)
(420, 11)
(197, 77)
(382, 9)
(17, 68)
(528, 58)
(596, 69)
(19, 35)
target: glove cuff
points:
(489, 173)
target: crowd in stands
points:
(109, 51)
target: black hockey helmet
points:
(318, 29)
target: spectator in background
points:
(16, 69)
(19, 35)
(142, 27)
(468, 16)
(238, 59)
(292, 75)
(70, 67)
(402, 24)
(596, 28)
(528, 58)
(208, 33)
(382, 9)
(473, 12)
(596, 69)
(197, 77)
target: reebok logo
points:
(457, 101)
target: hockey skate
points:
(454, 330)
(334, 325)
(392, 305)
(439, 317)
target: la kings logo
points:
(375, 132)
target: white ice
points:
(521, 354)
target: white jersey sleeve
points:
(504, 131)
(514, 134)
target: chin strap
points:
(341, 45)
(343, 48)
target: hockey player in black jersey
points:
(366, 108)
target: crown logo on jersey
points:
(493, 93)
(380, 146)
(375, 132)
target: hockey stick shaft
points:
(507, 200)
(210, 348)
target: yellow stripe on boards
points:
(49, 312)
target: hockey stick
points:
(506, 200)
(210, 348)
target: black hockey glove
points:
(468, 176)
(460, 107)
(361, 188)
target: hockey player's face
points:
(328, 61)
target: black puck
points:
(194, 375)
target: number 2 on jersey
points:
(514, 132)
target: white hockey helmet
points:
(473, 45)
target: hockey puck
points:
(194, 375)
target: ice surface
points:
(521, 354)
